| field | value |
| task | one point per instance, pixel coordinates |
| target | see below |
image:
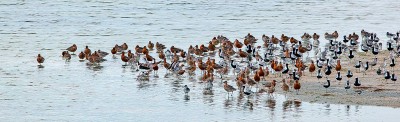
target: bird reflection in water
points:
(143, 84)
(228, 103)
(186, 98)
(287, 104)
(94, 67)
(209, 97)
(271, 103)
(240, 99)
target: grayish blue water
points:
(74, 92)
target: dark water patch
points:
(46, 49)
(184, 3)
(6, 99)
(84, 35)
(125, 17)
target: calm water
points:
(73, 91)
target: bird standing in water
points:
(228, 88)
(186, 89)
(40, 59)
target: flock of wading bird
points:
(285, 57)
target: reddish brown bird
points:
(81, 55)
(297, 86)
(238, 44)
(113, 51)
(338, 66)
(72, 49)
(124, 46)
(40, 59)
(155, 67)
(145, 50)
(124, 58)
(311, 69)
(257, 77)
(150, 45)
(87, 50)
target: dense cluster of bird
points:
(251, 65)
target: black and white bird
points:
(345, 39)
(327, 84)
(319, 64)
(338, 76)
(347, 86)
(351, 55)
(366, 66)
(389, 46)
(186, 89)
(328, 70)
(374, 62)
(349, 74)
(286, 69)
(319, 74)
(387, 75)
(357, 82)
(353, 42)
(358, 65)
(392, 64)
(393, 78)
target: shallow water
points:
(74, 91)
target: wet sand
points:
(374, 89)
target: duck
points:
(40, 59)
